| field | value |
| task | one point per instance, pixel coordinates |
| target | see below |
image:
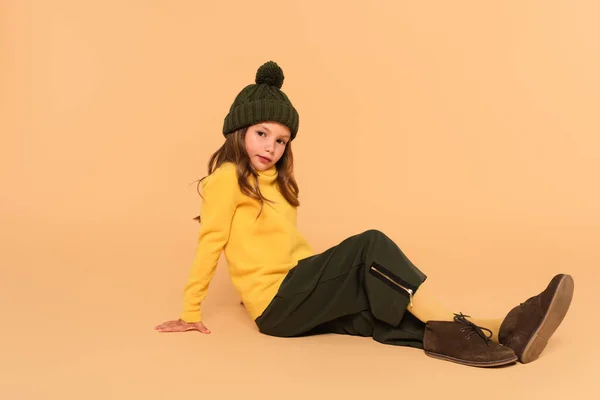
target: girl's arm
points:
(221, 195)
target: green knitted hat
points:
(262, 101)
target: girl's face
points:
(265, 143)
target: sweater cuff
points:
(191, 316)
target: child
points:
(363, 286)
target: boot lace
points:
(472, 328)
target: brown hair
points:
(234, 150)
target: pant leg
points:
(409, 332)
(361, 286)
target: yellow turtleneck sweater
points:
(259, 252)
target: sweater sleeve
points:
(221, 194)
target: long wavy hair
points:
(234, 150)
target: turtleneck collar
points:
(268, 176)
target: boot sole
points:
(554, 316)
(495, 363)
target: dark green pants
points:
(360, 287)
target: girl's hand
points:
(180, 325)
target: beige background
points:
(467, 131)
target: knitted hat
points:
(263, 101)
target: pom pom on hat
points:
(271, 74)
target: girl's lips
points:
(263, 159)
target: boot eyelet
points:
(467, 337)
(462, 329)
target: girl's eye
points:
(281, 141)
(260, 133)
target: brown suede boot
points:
(463, 342)
(528, 327)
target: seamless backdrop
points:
(467, 131)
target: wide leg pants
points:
(362, 286)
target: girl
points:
(363, 286)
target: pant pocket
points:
(389, 295)
(393, 280)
